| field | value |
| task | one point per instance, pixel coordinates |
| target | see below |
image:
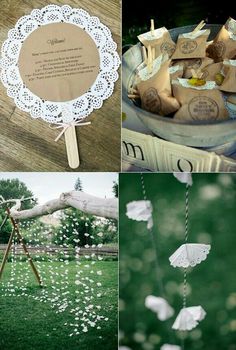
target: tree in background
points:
(78, 185)
(12, 188)
(115, 189)
(78, 228)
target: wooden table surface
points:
(27, 144)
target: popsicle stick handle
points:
(72, 147)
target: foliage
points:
(12, 188)
(211, 284)
(115, 189)
(170, 14)
(78, 185)
(89, 229)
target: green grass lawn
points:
(212, 284)
(28, 324)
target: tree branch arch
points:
(104, 207)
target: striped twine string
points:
(185, 241)
(153, 241)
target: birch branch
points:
(104, 207)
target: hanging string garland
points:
(142, 211)
(188, 254)
(52, 263)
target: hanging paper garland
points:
(55, 277)
(160, 306)
(188, 318)
(142, 211)
(185, 256)
(189, 254)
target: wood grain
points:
(27, 144)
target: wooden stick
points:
(3, 201)
(196, 73)
(133, 96)
(29, 257)
(199, 27)
(72, 147)
(16, 230)
(152, 27)
(7, 252)
(134, 91)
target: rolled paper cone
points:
(72, 147)
(152, 27)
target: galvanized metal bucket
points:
(205, 136)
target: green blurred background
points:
(211, 284)
(170, 13)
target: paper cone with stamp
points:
(159, 39)
(191, 45)
(192, 63)
(155, 88)
(229, 83)
(213, 73)
(199, 104)
(199, 63)
(224, 45)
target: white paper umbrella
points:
(189, 254)
(170, 347)
(185, 178)
(160, 306)
(188, 318)
(140, 211)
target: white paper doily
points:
(81, 107)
